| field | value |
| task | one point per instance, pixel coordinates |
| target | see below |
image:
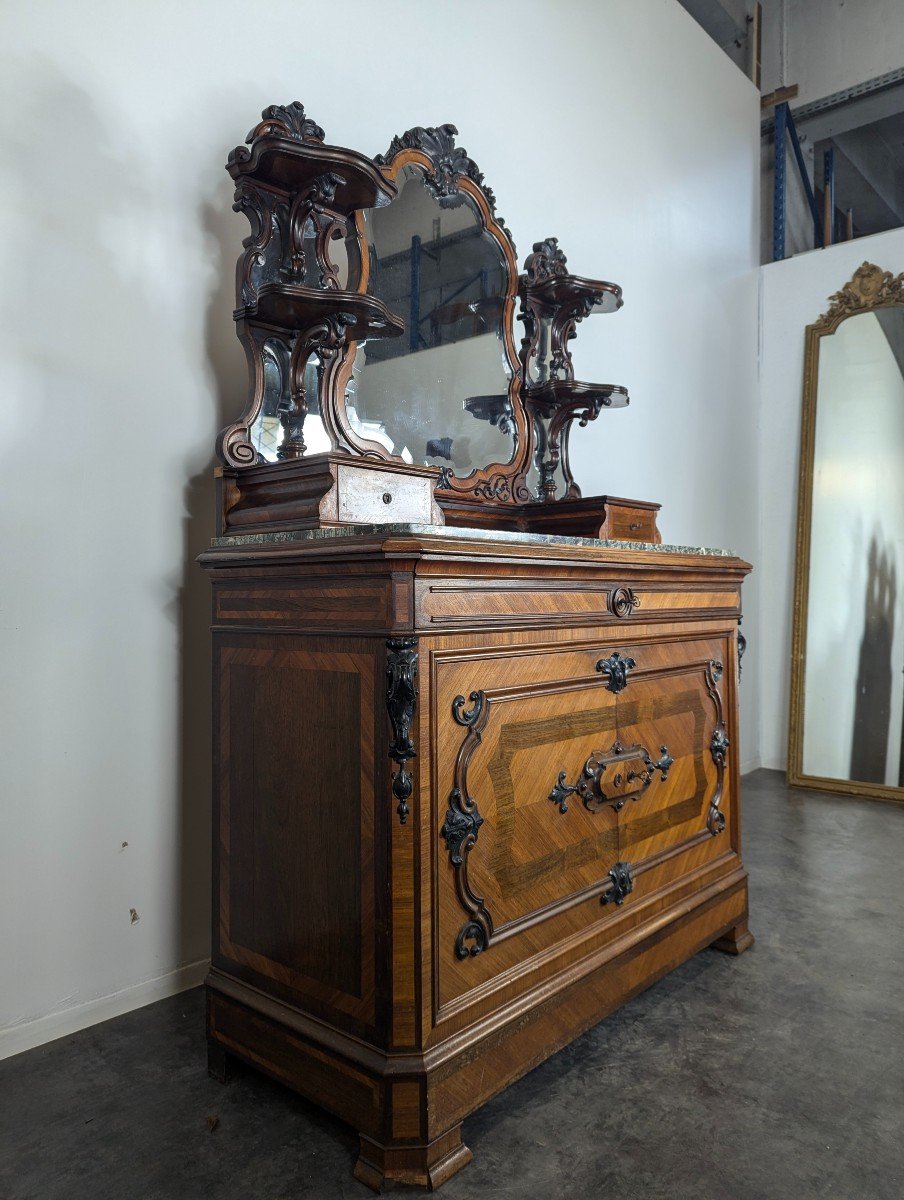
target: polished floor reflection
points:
(777, 1074)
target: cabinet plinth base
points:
(426, 1166)
(736, 940)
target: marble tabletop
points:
(455, 532)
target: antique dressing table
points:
(476, 769)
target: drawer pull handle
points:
(623, 601)
(616, 668)
(621, 884)
(612, 777)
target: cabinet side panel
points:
(296, 912)
(297, 824)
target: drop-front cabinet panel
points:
(473, 792)
(546, 724)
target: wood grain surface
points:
(338, 966)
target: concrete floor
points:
(776, 1074)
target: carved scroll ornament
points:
(545, 262)
(461, 826)
(718, 748)
(451, 162)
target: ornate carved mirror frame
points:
(450, 172)
(299, 457)
(870, 289)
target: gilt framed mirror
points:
(847, 677)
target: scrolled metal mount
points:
(462, 824)
(742, 645)
(461, 715)
(715, 820)
(718, 748)
(474, 933)
(622, 884)
(460, 828)
(616, 669)
(401, 698)
(592, 783)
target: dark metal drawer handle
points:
(616, 668)
(622, 600)
(607, 777)
(621, 884)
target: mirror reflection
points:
(438, 394)
(854, 659)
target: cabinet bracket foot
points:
(427, 1166)
(735, 940)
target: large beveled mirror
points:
(847, 698)
(445, 394)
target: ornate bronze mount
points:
(718, 748)
(622, 884)
(401, 699)
(742, 645)
(597, 785)
(616, 669)
(461, 826)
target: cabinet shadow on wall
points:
(226, 364)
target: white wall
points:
(120, 363)
(836, 44)
(827, 46)
(793, 294)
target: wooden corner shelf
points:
(295, 307)
(556, 394)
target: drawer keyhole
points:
(387, 497)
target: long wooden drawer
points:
(573, 790)
(455, 603)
